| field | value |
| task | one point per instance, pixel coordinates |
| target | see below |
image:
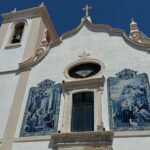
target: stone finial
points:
(132, 21)
(42, 4)
(14, 10)
(133, 26)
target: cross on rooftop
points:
(86, 9)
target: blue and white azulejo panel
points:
(42, 109)
(129, 101)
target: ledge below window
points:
(15, 45)
(140, 133)
(82, 140)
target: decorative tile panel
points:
(129, 101)
(42, 109)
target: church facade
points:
(85, 90)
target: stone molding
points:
(37, 56)
(140, 133)
(83, 61)
(102, 139)
(40, 11)
(139, 37)
(3, 30)
(106, 28)
(11, 46)
(94, 27)
(144, 41)
(15, 45)
(33, 138)
(118, 134)
(83, 85)
(18, 21)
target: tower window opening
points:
(18, 31)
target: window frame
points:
(82, 105)
(14, 31)
(84, 61)
(70, 88)
(12, 28)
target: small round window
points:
(84, 70)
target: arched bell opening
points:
(18, 32)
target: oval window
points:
(84, 70)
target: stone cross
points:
(84, 55)
(86, 9)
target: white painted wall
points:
(8, 84)
(136, 143)
(31, 146)
(9, 58)
(111, 50)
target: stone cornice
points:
(106, 28)
(34, 11)
(83, 84)
(143, 45)
(140, 133)
(31, 13)
(111, 31)
(32, 138)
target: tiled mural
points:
(129, 101)
(42, 109)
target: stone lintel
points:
(83, 83)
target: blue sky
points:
(67, 14)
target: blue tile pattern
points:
(42, 109)
(129, 101)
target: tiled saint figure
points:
(42, 109)
(129, 101)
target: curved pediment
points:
(136, 39)
(140, 40)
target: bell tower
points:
(24, 40)
(22, 33)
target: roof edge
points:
(40, 11)
(144, 43)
